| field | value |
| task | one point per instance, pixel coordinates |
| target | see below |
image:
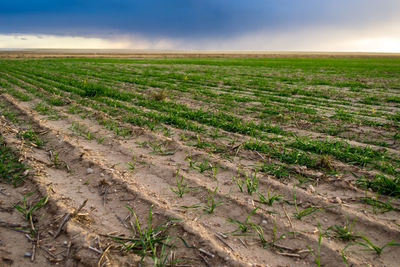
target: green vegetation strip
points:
(260, 99)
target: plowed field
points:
(200, 162)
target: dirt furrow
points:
(152, 182)
(102, 218)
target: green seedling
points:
(54, 159)
(181, 188)
(270, 198)
(132, 163)
(381, 184)
(344, 258)
(378, 205)
(211, 204)
(114, 126)
(157, 148)
(28, 210)
(317, 256)
(43, 109)
(17, 94)
(263, 240)
(251, 182)
(214, 134)
(333, 129)
(77, 127)
(81, 130)
(305, 212)
(276, 238)
(55, 117)
(345, 232)
(161, 257)
(9, 114)
(373, 247)
(343, 115)
(11, 169)
(299, 214)
(89, 135)
(183, 137)
(205, 165)
(167, 132)
(204, 144)
(201, 144)
(160, 149)
(146, 241)
(100, 140)
(239, 182)
(214, 171)
(260, 234)
(74, 109)
(56, 101)
(242, 226)
(191, 162)
(202, 166)
(279, 171)
(302, 179)
(31, 136)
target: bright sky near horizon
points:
(291, 25)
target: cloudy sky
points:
(295, 25)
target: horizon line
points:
(98, 52)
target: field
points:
(200, 161)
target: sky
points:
(272, 25)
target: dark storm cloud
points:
(186, 18)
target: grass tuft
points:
(11, 169)
(149, 240)
(381, 184)
(27, 210)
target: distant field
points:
(135, 53)
(269, 161)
